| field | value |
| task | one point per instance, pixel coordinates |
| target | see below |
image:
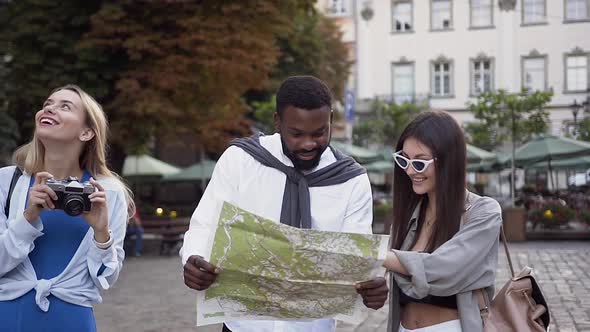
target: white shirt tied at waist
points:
(80, 282)
(43, 289)
(241, 180)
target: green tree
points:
(502, 116)
(390, 121)
(9, 134)
(8, 137)
(264, 114)
(313, 47)
(39, 37)
(481, 136)
(188, 64)
(363, 133)
(584, 129)
(167, 67)
(506, 116)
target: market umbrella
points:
(484, 167)
(360, 154)
(147, 170)
(570, 163)
(196, 172)
(549, 149)
(146, 166)
(480, 160)
(477, 155)
(380, 166)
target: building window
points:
(577, 10)
(482, 75)
(481, 13)
(337, 7)
(534, 73)
(441, 17)
(533, 11)
(442, 78)
(402, 16)
(576, 72)
(403, 82)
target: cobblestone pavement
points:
(150, 294)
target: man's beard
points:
(304, 165)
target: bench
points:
(169, 231)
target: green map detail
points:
(275, 270)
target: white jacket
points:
(79, 283)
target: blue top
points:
(85, 271)
(62, 235)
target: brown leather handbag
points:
(519, 306)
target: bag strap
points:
(503, 237)
(483, 299)
(17, 173)
(483, 303)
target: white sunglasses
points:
(419, 165)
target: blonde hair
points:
(30, 157)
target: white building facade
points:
(448, 51)
(341, 11)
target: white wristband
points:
(104, 245)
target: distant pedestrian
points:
(135, 228)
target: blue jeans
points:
(138, 232)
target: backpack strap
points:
(17, 173)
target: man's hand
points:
(198, 273)
(374, 292)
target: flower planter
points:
(552, 216)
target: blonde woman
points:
(53, 264)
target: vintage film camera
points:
(72, 195)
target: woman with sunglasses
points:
(444, 239)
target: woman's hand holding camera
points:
(98, 217)
(40, 197)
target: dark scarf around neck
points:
(295, 210)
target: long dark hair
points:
(442, 135)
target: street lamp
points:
(575, 109)
(367, 11)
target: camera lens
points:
(73, 205)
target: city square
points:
(291, 143)
(151, 295)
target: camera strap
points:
(15, 176)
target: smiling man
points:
(292, 177)
(303, 120)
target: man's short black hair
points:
(305, 92)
